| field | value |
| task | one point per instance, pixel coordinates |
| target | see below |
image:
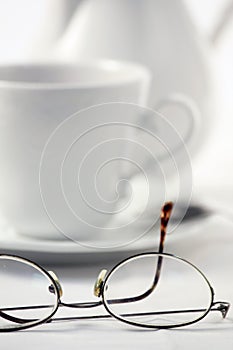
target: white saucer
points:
(60, 252)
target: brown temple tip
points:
(166, 213)
(164, 216)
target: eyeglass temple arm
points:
(220, 306)
(164, 219)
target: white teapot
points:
(156, 33)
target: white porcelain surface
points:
(159, 34)
(34, 100)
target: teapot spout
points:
(69, 44)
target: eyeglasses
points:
(151, 290)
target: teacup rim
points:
(138, 72)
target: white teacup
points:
(34, 101)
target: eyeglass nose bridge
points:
(99, 283)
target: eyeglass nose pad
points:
(58, 284)
(99, 283)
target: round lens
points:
(27, 294)
(158, 291)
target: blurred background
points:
(61, 29)
(187, 45)
(214, 20)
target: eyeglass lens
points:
(178, 295)
(27, 295)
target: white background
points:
(209, 244)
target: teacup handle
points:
(193, 113)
